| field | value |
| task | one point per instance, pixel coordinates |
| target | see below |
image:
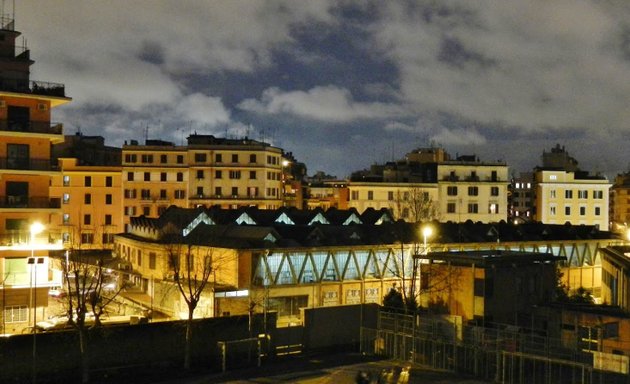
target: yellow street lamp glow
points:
(427, 231)
(36, 228)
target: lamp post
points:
(35, 229)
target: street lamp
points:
(427, 231)
(35, 229)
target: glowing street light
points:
(427, 231)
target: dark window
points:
(235, 158)
(18, 156)
(180, 176)
(252, 158)
(252, 175)
(109, 181)
(18, 118)
(108, 199)
(129, 176)
(152, 260)
(87, 238)
(234, 191)
(451, 190)
(494, 191)
(200, 157)
(163, 159)
(450, 207)
(87, 198)
(217, 191)
(473, 191)
(162, 194)
(218, 174)
(88, 181)
(200, 191)
(199, 174)
(147, 176)
(218, 158)
(108, 219)
(163, 176)
(87, 219)
(180, 159)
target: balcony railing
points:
(31, 127)
(26, 164)
(33, 87)
(29, 202)
(23, 236)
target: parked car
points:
(57, 293)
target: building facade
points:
(208, 171)
(576, 198)
(411, 202)
(27, 210)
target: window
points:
(200, 157)
(147, 159)
(108, 238)
(109, 181)
(451, 190)
(218, 174)
(15, 314)
(163, 176)
(493, 208)
(87, 238)
(200, 191)
(147, 176)
(552, 193)
(597, 211)
(217, 191)
(87, 219)
(473, 208)
(131, 158)
(129, 176)
(163, 194)
(568, 194)
(252, 191)
(582, 211)
(235, 174)
(355, 195)
(405, 212)
(494, 191)
(163, 159)
(87, 199)
(390, 195)
(180, 159)
(108, 219)
(252, 175)
(567, 210)
(146, 211)
(66, 218)
(598, 194)
(235, 158)
(473, 191)
(139, 258)
(218, 158)
(370, 195)
(66, 198)
(234, 191)
(252, 158)
(552, 211)
(553, 177)
(180, 194)
(152, 260)
(145, 194)
(130, 194)
(180, 176)
(582, 194)
(199, 174)
(450, 207)
(88, 181)
(66, 181)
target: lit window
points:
(66, 198)
(66, 181)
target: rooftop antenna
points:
(146, 134)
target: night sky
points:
(341, 84)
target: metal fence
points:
(499, 353)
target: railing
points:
(26, 164)
(29, 202)
(23, 236)
(34, 87)
(31, 127)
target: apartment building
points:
(522, 198)
(472, 190)
(27, 210)
(91, 201)
(405, 200)
(620, 203)
(574, 197)
(207, 171)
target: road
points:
(320, 371)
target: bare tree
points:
(415, 205)
(192, 267)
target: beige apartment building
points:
(574, 197)
(620, 203)
(91, 201)
(402, 199)
(472, 190)
(207, 171)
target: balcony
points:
(26, 164)
(31, 127)
(29, 202)
(33, 87)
